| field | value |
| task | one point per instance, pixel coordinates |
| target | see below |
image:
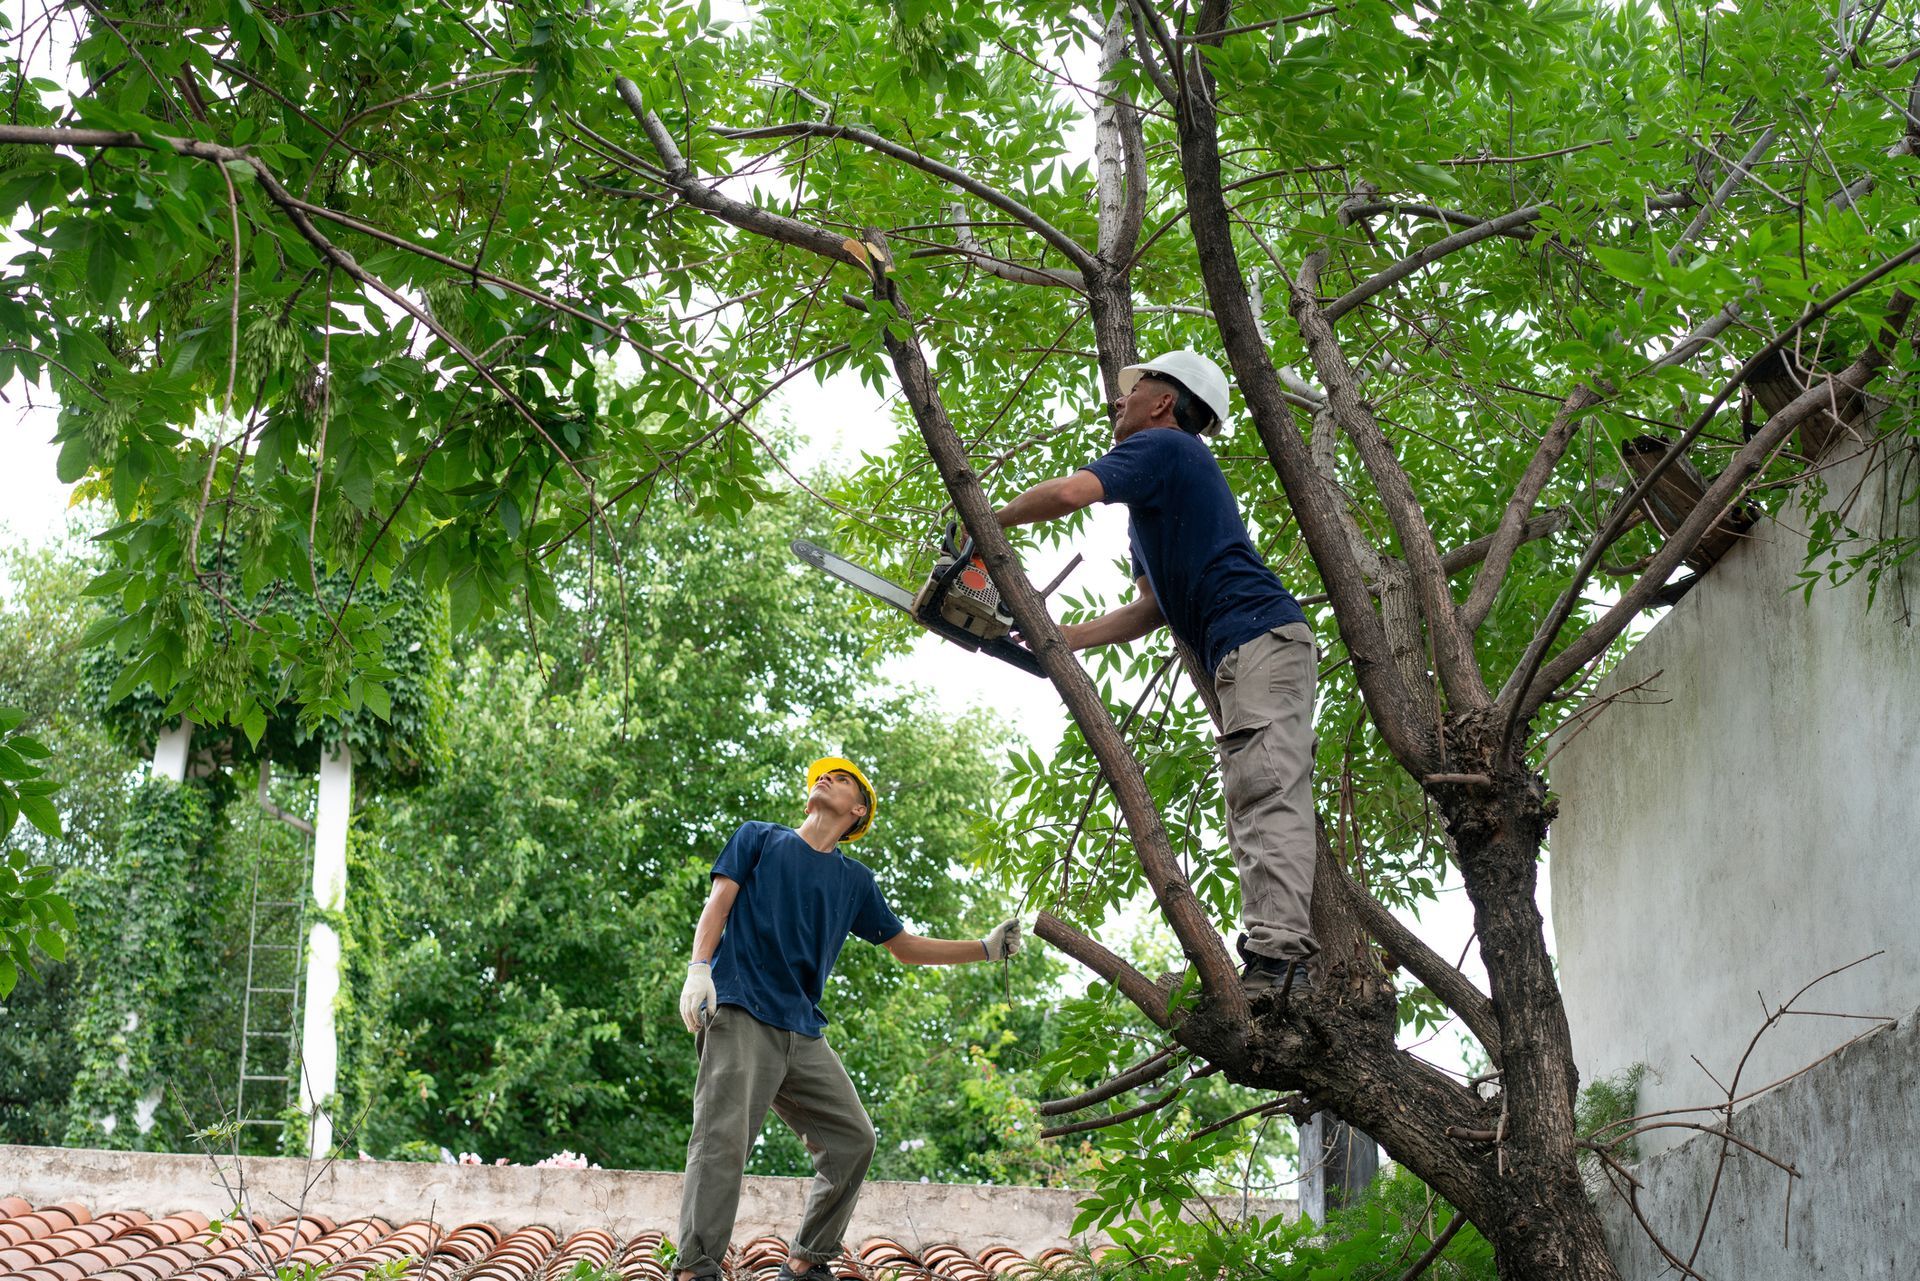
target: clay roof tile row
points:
(67, 1242)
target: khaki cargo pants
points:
(747, 1067)
(1266, 770)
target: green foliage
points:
(1604, 1109)
(391, 719)
(1375, 1240)
(32, 915)
(41, 621)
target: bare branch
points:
(1145, 1072)
(1508, 536)
(1074, 252)
(1431, 254)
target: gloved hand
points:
(698, 1000)
(1004, 941)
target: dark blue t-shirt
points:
(1188, 539)
(795, 909)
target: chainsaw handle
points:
(952, 545)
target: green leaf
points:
(103, 267)
(40, 812)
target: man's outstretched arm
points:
(1052, 499)
(910, 949)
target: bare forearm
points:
(1051, 499)
(1130, 622)
(713, 920)
(911, 949)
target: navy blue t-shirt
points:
(795, 909)
(1188, 539)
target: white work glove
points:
(698, 1000)
(1004, 941)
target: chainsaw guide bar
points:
(927, 613)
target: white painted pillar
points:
(319, 1051)
(170, 751)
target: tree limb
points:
(1150, 999)
(1453, 655)
(1145, 1072)
(1431, 254)
(1511, 531)
(1074, 252)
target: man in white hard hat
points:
(784, 901)
(1197, 571)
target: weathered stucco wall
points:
(1850, 1126)
(1754, 829)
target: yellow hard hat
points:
(827, 763)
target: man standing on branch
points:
(1197, 571)
(783, 902)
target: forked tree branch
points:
(1441, 977)
(1452, 645)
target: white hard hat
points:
(1195, 372)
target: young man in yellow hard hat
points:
(1197, 571)
(783, 902)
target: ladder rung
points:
(261, 1121)
(276, 947)
(277, 902)
(251, 1077)
(289, 991)
(270, 1032)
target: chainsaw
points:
(958, 601)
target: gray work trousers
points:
(1266, 771)
(745, 1068)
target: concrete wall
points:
(1752, 830)
(1850, 1126)
(972, 1216)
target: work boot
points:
(787, 1273)
(1270, 973)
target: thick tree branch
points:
(1149, 999)
(1074, 252)
(1452, 645)
(1433, 253)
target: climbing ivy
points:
(141, 958)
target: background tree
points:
(1512, 241)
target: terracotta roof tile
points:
(67, 1243)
